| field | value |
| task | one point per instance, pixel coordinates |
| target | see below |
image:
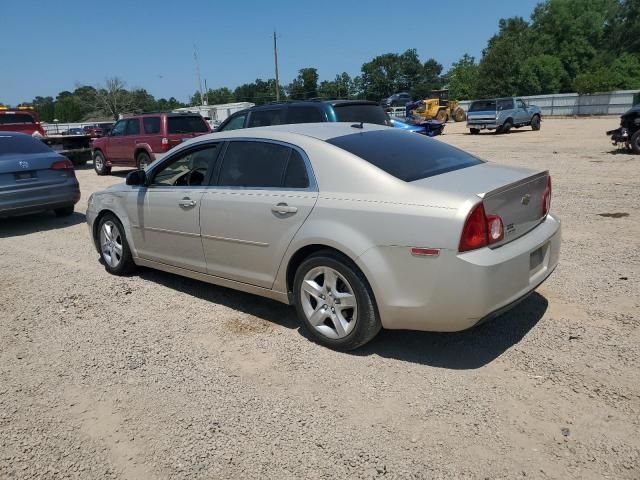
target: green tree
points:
(258, 92)
(305, 85)
(462, 78)
(622, 27)
(381, 76)
(45, 107)
(541, 74)
(67, 108)
(429, 78)
(604, 75)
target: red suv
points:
(135, 142)
(21, 119)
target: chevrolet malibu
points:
(361, 226)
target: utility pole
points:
(195, 57)
(275, 55)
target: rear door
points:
(150, 135)
(264, 192)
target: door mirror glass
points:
(137, 177)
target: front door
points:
(522, 115)
(263, 193)
(115, 141)
(167, 210)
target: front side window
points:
(133, 127)
(264, 118)
(262, 165)
(234, 124)
(151, 125)
(187, 170)
(520, 104)
(118, 128)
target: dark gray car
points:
(34, 178)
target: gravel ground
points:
(157, 376)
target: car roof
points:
(321, 131)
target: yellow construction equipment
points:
(439, 107)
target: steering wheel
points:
(195, 177)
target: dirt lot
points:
(156, 376)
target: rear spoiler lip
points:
(515, 184)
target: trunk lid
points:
(25, 171)
(483, 115)
(515, 194)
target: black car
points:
(397, 100)
(306, 111)
(629, 132)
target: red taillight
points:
(64, 165)
(480, 230)
(546, 197)
(165, 144)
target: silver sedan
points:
(361, 227)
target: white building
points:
(217, 113)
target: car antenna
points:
(357, 125)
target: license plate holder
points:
(24, 176)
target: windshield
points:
(15, 118)
(405, 155)
(184, 124)
(21, 145)
(482, 105)
(361, 113)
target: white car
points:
(360, 226)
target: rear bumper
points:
(489, 125)
(37, 199)
(455, 291)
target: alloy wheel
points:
(111, 244)
(328, 302)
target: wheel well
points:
(96, 150)
(139, 151)
(96, 223)
(297, 258)
(510, 120)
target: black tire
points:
(125, 265)
(535, 123)
(99, 164)
(474, 131)
(635, 142)
(142, 160)
(64, 211)
(367, 319)
(506, 127)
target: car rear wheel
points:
(143, 160)
(100, 164)
(474, 131)
(114, 249)
(635, 142)
(64, 211)
(535, 123)
(334, 302)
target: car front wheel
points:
(114, 249)
(334, 302)
(535, 123)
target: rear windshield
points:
(482, 105)
(191, 124)
(21, 144)
(407, 156)
(361, 113)
(15, 118)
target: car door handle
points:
(283, 209)
(186, 202)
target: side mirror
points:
(137, 177)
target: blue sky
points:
(51, 46)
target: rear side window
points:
(361, 113)
(296, 175)
(151, 125)
(186, 124)
(264, 118)
(6, 118)
(482, 105)
(506, 104)
(21, 145)
(133, 127)
(305, 115)
(260, 165)
(405, 155)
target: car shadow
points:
(37, 222)
(621, 151)
(264, 308)
(469, 349)
(465, 350)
